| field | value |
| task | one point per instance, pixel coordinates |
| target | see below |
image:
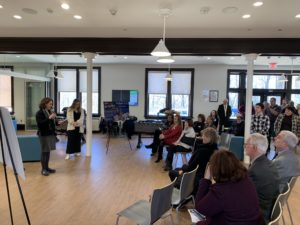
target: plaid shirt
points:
(260, 124)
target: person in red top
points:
(169, 136)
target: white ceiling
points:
(118, 59)
(140, 18)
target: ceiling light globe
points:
(258, 3)
(65, 6)
(246, 16)
(165, 60)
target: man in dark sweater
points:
(263, 173)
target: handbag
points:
(187, 140)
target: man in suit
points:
(262, 172)
(287, 162)
(224, 113)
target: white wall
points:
(132, 77)
(207, 77)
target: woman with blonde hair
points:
(75, 129)
(201, 155)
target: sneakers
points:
(45, 172)
(67, 157)
(77, 154)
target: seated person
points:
(238, 127)
(232, 199)
(199, 125)
(287, 162)
(183, 144)
(168, 137)
(214, 116)
(157, 132)
(263, 174)
(201, 156)
(210, 122)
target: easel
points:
(4, 133)
(109, 131)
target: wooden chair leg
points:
(117, 222)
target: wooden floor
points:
(89, 191)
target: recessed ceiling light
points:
(17, 17)
(77, 17)
(246, 16)
(297, 16)
(18, 56)
(232, 58)
(1, 6)
(257, 4)
(208, 58)
(125, 57)
(30, 11)
(65, 6)
(230, 10)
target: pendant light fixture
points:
(282, 78)
(7, 72)
(161, 50)
(53, 73)
(167, 59)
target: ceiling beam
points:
(143, 46)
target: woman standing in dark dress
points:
(75, 117)
(46, 132)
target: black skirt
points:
(74, 141)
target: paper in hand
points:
(195, 215)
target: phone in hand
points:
(201, 216)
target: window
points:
(175, 94)
(6, 90)
(74, 85)
(157, 92)
(233, 99)
(266, 85)
(66, 88)
(267, 82)
(180, 90)
(295, 84)
(234, 81)
(82, 89)
(295, 98)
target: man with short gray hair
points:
(262, 172)
(287, 162)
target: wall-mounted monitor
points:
(130, 96)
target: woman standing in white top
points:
(75, 129)
(183, 144)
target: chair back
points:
(187, 184)
(237, 146)
(225, 140)
(292, 184)
(276, 214)
(282, 198)
(161, 201)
